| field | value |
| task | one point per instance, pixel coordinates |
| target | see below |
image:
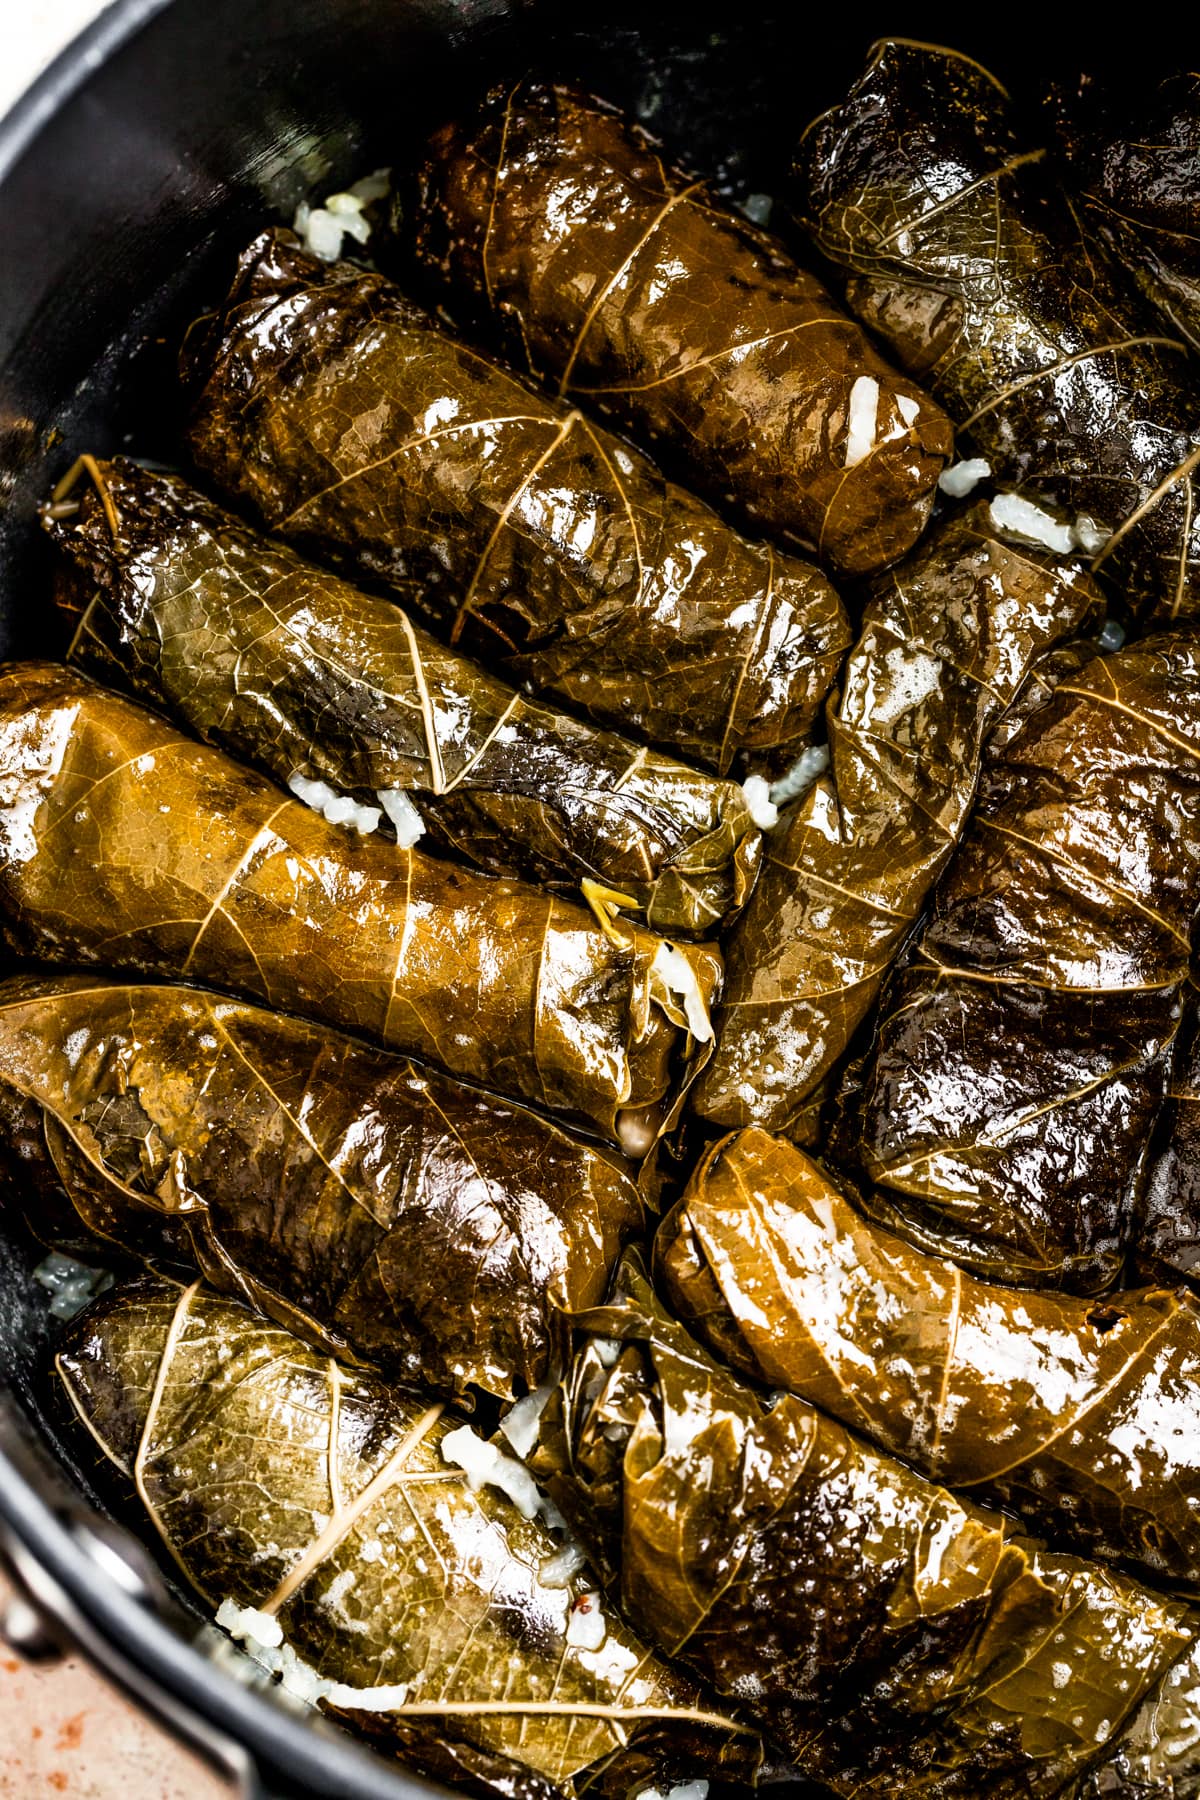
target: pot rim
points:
(71, 68)
(115, 1609)
(125, 1627)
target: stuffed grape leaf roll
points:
(1017, 1066)
(329, 1519)
(127, 846)
(1083, 1416)
(376, 1208)
(639, 291)
(887, 1634)
(948, 639)
(973, 269)
(1138, 183)
(349, 420)
(286, 666)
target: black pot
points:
(129, 174)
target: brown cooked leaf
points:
(1166, 1239)
(377, 1209)
(124, 845)
(286, 666)
(1158, 1756)
(948, 639)
(1082, 1416)
(1137, 177)
(1046, 674)
(1019, 1059)
(350, 421)
(895, 1639)
(322, 1497)
(974, 270)
(637, 290)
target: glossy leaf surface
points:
(124, 845)
(1158, 1755)
(1138, 180)
(976, 273)
(1022, 1047)
(288, 667)
(1167, 1237)
(1082, 1416)
(947, 640)
(374, 1207)
(1046, 675)
(637, 290)
(321, 1497)
(892, 1637)
(353, 423)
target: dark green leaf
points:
(893, 1638)
(1158, 1755)
(1166, 1239)
(637, 290)
(1138, 179)
(322, 1498)
(373, 1207)
(1021, 1051)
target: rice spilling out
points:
(962, 478)
(521, 1422)
(323, 229)
(862, 420)
(763, 811)
(679, 978)
(339, 809)
(1031, 524)
(808, 766)
(261, 1636)
(72, 1285)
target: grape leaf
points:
(891, 1636)
(975, 271)
(1081, 1415)
(947, 640)
(1018, 1062)
(1158, 1756)
(376, 1208)
(351, 422)
(1166, 1237)
(321, 1498)
(639, 291)
(124, 845)
(287, 667)
(1137, 183)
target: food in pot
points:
(948, 639)
(1018, 1060)
(375, 1555)
(630, 286)
(884, 1631)
(965, 259)
(349, 420)
(380, 1210)
(344, 700)
(126, 846)
(353, 1002)
(1080, 1415)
